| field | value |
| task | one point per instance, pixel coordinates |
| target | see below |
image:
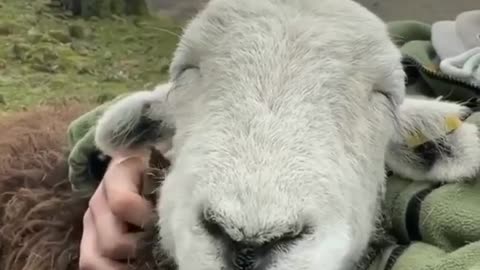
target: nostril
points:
(211, 225)
(245, 258)
(238, 255)
(253, 251)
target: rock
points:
(60, 36)
(76, 31)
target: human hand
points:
(107, 242)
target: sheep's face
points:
(283, 110)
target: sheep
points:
(279, 120)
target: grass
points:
(47, 56)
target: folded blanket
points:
(437, 226)
(465, 66)
(422, 63)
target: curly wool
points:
(40, 216)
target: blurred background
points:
(425, 10)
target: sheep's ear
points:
(136, 122)
(433, 142)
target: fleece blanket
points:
(437, 226)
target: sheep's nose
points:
(244, 258)
(239, 255)
(247, 252)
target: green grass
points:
(46, 56)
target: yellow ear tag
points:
(416, 139)
(452, 123)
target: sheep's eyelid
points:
(182, 69)
(187, 67)
(387, 95)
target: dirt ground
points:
(424, 10)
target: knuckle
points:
(120, 202)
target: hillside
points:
(46, 55)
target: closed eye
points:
(182, 69)
(388, 96)
(187, 67)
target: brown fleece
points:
(40, 217)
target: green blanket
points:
(437, 226)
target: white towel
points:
(451, 38)
(465, 66)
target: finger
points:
(122, 187)
(112, 238)
(90, 258)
